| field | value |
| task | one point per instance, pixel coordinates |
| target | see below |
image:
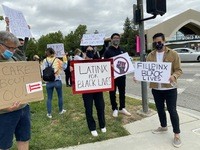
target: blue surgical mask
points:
(7, 54)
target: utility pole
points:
(142, 56)
(154, 7)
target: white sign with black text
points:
(92, 39)
(122, 65)
(17, 22)
(153, 71)
(92, 76)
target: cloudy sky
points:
(106, 16)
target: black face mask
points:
(158, 45)
(90, 54)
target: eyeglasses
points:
(8, 47)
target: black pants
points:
(170, 96)
(120, 82)
(68, 78)
(100, 107)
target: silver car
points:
(188, 54)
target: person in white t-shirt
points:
(166, 92)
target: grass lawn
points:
(71, 128)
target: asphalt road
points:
(188, 87)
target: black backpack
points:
(48, 72)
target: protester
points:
(120, 82)
(166, 92)
(68, 78)
(57, 84)
(15, 119)
(97, 99)
(78, 55)
(36, 58)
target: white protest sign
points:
(92, 39)
(58, 48)
(17, 22)
(92, 76)
(122, 65)
(153, 71)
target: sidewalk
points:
(141, 137)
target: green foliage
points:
(50, 38)
(1, 18)
(128, 37)
(32, 49)
(73, 40)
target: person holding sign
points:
(97, 99)
(120, 82)
(19, 52)
(166, 92)
(56, 64)
(15, 119)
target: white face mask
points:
(116, 42)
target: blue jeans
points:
(170, 97)
(50, 87)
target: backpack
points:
(48, 72)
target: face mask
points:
(158, 45)
(116, 42)
(7, 54)
(90, 54)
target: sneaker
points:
(62, 112)
(125, 112)
(177, 142)
(94, 133)
(160, 130)
(49, 116)
(115, 113)
(103, 130)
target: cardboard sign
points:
(20, 81)
(122, 65)
(58, 48)
(153, 72)
(91, 76)
(18, 25)
(92, 39)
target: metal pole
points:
(142, 56)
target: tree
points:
(73, 39)
(128, 37)
(51, 38)
(31, 49)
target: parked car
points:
(188, 54)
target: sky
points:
(105, 16)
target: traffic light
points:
(156, 7)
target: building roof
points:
(187, 22)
